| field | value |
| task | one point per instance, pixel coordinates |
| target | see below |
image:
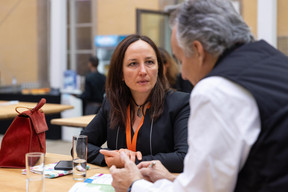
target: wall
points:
(23, 52)
(249, 14)
(119, 17)
(282, 25)
(18, 41)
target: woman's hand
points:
(112, 157)
(154, 170)
(131, 154)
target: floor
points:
(55, 146)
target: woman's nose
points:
(142, 68)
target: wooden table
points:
(8, 110)
(82, 121)
(13, 179)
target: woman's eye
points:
(150, 62)
(132, 64)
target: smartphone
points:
(64, 165)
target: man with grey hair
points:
(238, 125)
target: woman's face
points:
(140, 68)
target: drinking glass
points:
(79, 157)
(34, 171)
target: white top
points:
(224, 123)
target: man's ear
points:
(199, 51)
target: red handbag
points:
(25, 134)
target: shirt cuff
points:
(140, 185)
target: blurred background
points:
(45, 44)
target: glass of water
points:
(79, 157)
(34, 172)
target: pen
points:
(152, 164)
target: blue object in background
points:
(108, 40)
(70, 80)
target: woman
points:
(172, 73)
(170, 67)
(140, 115)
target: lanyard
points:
(131, 145)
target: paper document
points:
(100, 179)
(97, 183)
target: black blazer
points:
(164, 139)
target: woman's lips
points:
(143, 82)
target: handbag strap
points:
(39, 105)
(36, 108)
(16, 109)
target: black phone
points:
(64, 165)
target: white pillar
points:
(58, 43)
(267, 21)
(73, 35)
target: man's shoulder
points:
(95, 75)
(177, 97)
(100, 75)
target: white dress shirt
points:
(224, 123)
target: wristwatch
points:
(130, 188)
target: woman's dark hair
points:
(172, 69)
(117, 92)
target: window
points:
(79, 34)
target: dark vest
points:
(263, 71)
